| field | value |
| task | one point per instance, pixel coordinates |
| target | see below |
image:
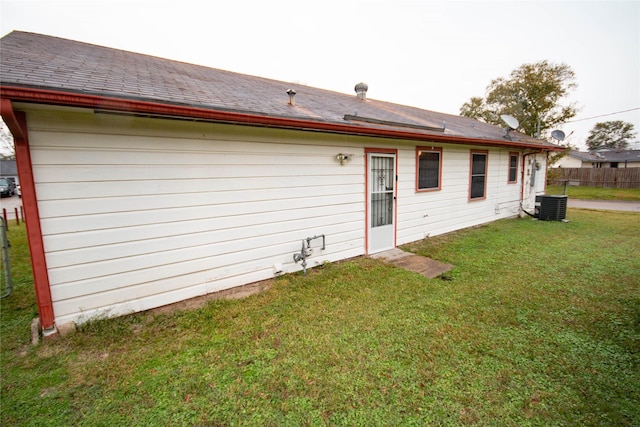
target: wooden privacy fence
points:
(595, 177)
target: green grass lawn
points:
(593, 193)
(538, 324)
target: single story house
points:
(148, 181)
(603, 158)
(576, 159)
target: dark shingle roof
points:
(607, 156)
(585, 157)
(616, 156)
(43, 62)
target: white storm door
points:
(382, 202)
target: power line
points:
(604, 115)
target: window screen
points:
(428, 165)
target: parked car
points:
(7, 187)
(18, 191)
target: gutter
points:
(17, 123)
(183, 112)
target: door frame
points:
(367, 193)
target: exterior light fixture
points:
(344, 158)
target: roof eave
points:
(185, 112)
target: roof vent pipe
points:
(292, 96)
(361, 90)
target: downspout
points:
(17, 123)
(524, 168)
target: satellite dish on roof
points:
(558, 134)
(511, 121)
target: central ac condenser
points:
(551, 207)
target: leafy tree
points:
(477, 109)
(532, 94)
(612, 134)
(7, 150)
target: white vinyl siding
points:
(133, 221)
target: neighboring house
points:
(603, 158)
(9, 170)
(147, 181)
(610, 158)
(576, 159)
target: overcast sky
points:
(429, 54)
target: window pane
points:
(478, 165)
(513, 161)
(429, 170)
(513, 168)
(477, 186)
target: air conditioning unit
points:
(551, 207)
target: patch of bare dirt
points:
(198, 302)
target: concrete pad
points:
(391, 255)
(418, 264)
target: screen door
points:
(382, 201)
